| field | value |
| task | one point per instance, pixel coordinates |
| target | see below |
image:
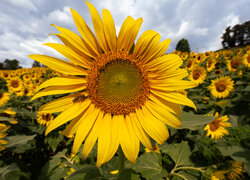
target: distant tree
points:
(183, 46)
(11, 64)
(36, 64)
(1, 66)
(238, 35)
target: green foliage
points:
(10, 64)
(236, 36)
(183, 46)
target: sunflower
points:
(232, 65)
(200, 57)
(221, 87)
(236, 170)
(217, 128)
(26, 77)
(3, 128)
(5, 74)
(246, 60)
(184, 55)
(44, 118)
(122, 95)
(14, 84)
(191, 62)
(210, 63)
(198, 74)
(4, 98)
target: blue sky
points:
(25, 24)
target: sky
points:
(25, 24)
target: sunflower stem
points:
(121, 159)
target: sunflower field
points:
(212, 143)
(116, 109)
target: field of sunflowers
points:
(212, 143)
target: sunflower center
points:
(117, 84)
(1, 95)
(220, 87)
(248, 58)
(217, 72)
(14, 83)
(214, 125)
(46, 117)
(234, 64)
(196, 75)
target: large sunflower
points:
(221, 87)
(122, 94)
(217, 128)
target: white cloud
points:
(13, 46)
(26, 4)
(59, 16)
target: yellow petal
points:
(70, 54)
(169, 106)
(145, 43)
(77, 41)
(165, 63)
(62, 81)
(58, 65)
(58, 105)
(127, 138)
(84, 128)
(155, 128)
(124, 32)
(66, 116)
(160, 113)
(75, 123)
(72, 45)
(109, 29)
(59, 90)
(107, 141)
(158, 51)
(139, 131)
(175, 97)
(86, 33)
(132, 34)
(177, 74)
(92, 136)
(171, 85)
(98, 26)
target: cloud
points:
(24, 4)
(13, 46)
(25, 23)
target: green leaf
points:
(180, 153)
(236, 152)
(90, 172)
(53, 141)
(149, 165)
(18, 140)
(233, 120)
(128, 174)
(246, 88)
(192, 121)
(52, 167)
